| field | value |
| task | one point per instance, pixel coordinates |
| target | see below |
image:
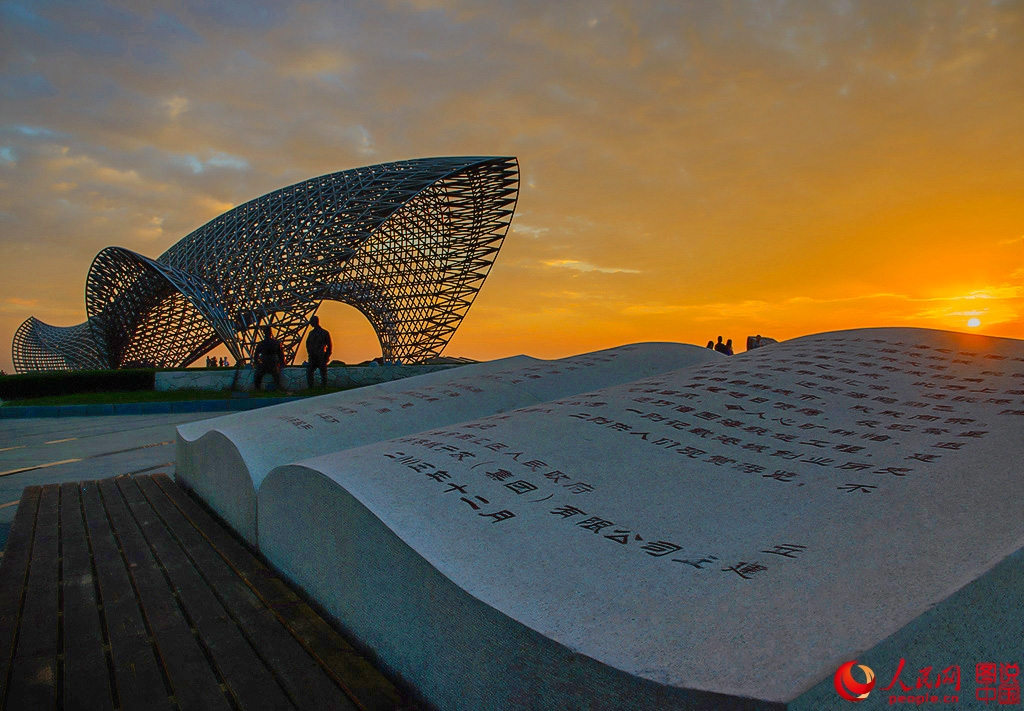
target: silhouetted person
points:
(318, 346)
(728, 347)
(268, 358)
(720, 347)
(759, 341)
(711, 345)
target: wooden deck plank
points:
(305, 681)
(86, 682)
(14, 578)
(255, 572)
(33, 684)
(38, 631)
(369, 688)
(34, 672)
(246, 676)
(366, 684)
(137, 677)
(193, 682)
(126, 594)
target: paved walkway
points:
(71, 449)
(211, 407)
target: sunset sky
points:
(688, 169)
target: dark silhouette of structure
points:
(408, 244)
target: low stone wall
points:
(292, 378)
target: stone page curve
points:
(737, 528)
(226, 463)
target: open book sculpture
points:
(225, 459)
(725, 535)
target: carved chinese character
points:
(787, 550)
(863, 488)
(594, 523)
(499, 516)
(568, 511)
(698, 564)
(620, 535)
(660, 548)
(474, 505)
(520, 487)
(745, 570)
(556, 476)
(895, 471)
(499, 475)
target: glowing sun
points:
(973, 322)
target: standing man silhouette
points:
(268, 359)
(318, 346)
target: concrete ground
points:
(59, 449)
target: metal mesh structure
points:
(407, 243)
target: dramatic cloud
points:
(687, 168)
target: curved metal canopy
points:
(407, 243)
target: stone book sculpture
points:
(723, 535)
(224, 459)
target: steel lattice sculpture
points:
(407, 243)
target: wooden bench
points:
(124, 593)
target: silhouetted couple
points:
(268, 358)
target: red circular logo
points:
(848, 687)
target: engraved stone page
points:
(736, 528)
(226, 464)
(217, 468)
(188, 433)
